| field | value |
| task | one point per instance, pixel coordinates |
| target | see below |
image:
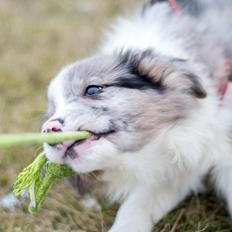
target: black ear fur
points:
(152, 71)
(137, 78)
(197, 88)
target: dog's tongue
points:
(81, 146)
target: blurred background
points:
(37, 38)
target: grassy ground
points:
(37, 38)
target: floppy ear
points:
(196, 87)
(163, 72)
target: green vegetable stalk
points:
(13, 140)
(40, 175)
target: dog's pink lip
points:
(68, 146)
(76, 143)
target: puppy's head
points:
(125, 99)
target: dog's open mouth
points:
(78, 147)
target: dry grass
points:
(37, 38)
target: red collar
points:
(175, 6)
(223, 81)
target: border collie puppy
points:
(154, 99)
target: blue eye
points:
(93, 90)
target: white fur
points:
(157, 183)
(151, 182)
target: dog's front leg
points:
(135, 214)
(147, 206)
